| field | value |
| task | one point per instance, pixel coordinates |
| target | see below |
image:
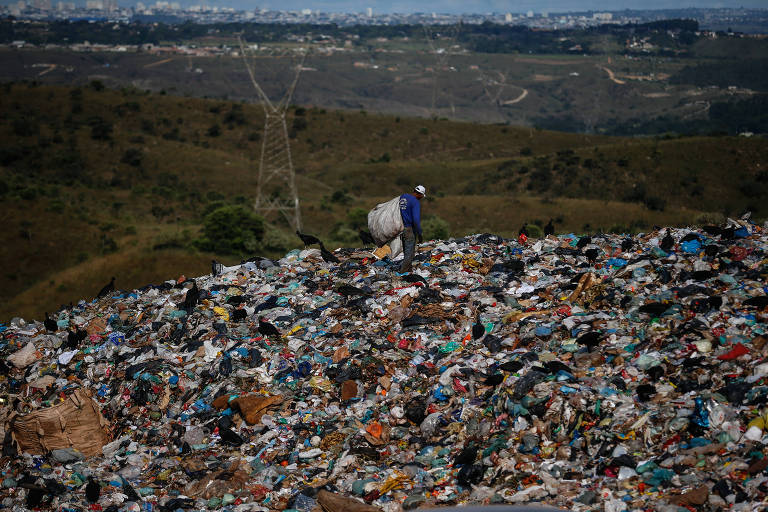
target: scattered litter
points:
(610, 372)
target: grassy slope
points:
(52, 247)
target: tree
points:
(231, 229)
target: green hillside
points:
(98, 182)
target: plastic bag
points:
(385, 224)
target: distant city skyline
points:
(483, 6)
(451, 6)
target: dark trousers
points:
(409, 248)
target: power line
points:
(276, 187)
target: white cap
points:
(421, 190)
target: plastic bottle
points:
(430, 423)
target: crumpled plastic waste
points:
(608, 373)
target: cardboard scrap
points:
(332, 502)
(253, 407)
(75, 423)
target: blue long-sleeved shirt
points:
(410, 211)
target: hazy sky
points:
(482, 6)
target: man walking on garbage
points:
(410, 211)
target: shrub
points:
(535, 231)
(709, 218)
(231, 229)
(56, 206)
(132, 157)
(28, 194)
(214, 131)
(299, 124)
(357, 218)
(101, 129)
(340, 196)
(25, 127)
(168, 242)
(435, 228)
(174, 134)
(618, 228)
(277, 240)
(148, 126)
(344, 234)
(235, 116)
(751, 189)
(655, 203)
(384, 158)
(636, 194)
(108, 244)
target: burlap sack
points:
(75, 423)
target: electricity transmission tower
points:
(276, 187)
(449, 35)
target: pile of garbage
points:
(609, 372)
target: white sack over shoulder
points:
(385, 222)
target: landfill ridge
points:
(605, 372)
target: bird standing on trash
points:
(349, 290)
(327, 255)
(50, 324)
(592, 255)
(72, 341)
(667, 243)
(269, 303)
(308, 239)
(192, 297)
(107, 289)
(466, 456)
(267, 329)
(589, 339)
(35, 497)
(74, 338)
(238, 315)
(415, 279)
(129, 491)
(549, 229)
(478, 330)
(366, 238)
(92, 490)
(493, 379)
(230, 437)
